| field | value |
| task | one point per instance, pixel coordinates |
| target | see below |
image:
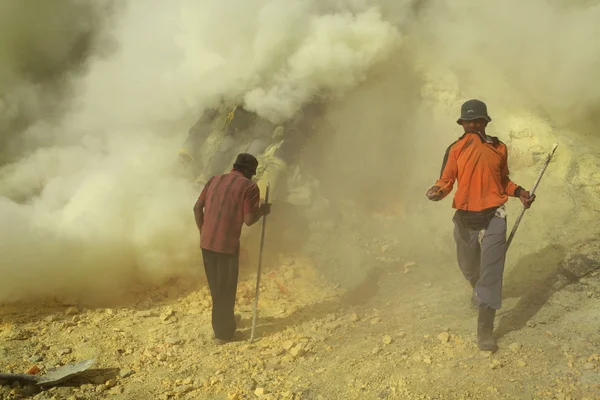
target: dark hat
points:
(473, 109)
(246, 162)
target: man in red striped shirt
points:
(225, 204)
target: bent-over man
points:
(225, 204)
(479, 163)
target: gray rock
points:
(64, 352)
(51, 318)
(173, 341)
(590, 378)
(36, 358)
(146, 314)
(18, 334)
(72, 311)
(125, 373)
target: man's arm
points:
(199, 214)
(448, 176)
(199, 206)
(253, 211)
(511, 188)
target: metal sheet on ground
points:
(54, 376)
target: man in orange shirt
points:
(480, 165)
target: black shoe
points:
(485, 329)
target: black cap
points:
(245, 161)
(473, 109)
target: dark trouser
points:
(482, 264)
(222, 275)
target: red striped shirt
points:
(226, 199)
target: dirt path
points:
(397, 335)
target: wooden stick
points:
(260, 256)
(531, 193)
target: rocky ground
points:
(405, 332)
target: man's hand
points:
(265, 209)
(526, 199)
(434, 194)
(253, 217)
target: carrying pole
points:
(260, 256)
(531, 193)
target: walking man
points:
(225, 204)
(479, 163)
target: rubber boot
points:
(485, 328)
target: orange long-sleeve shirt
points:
(480, 165)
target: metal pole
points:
(531, 193)
(260, 255)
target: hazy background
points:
(97, 96)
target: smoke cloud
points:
(43, 48)
(92, 197)
(335, 54)
(90, 202)
(538, 56)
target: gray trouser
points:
(481, 260)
